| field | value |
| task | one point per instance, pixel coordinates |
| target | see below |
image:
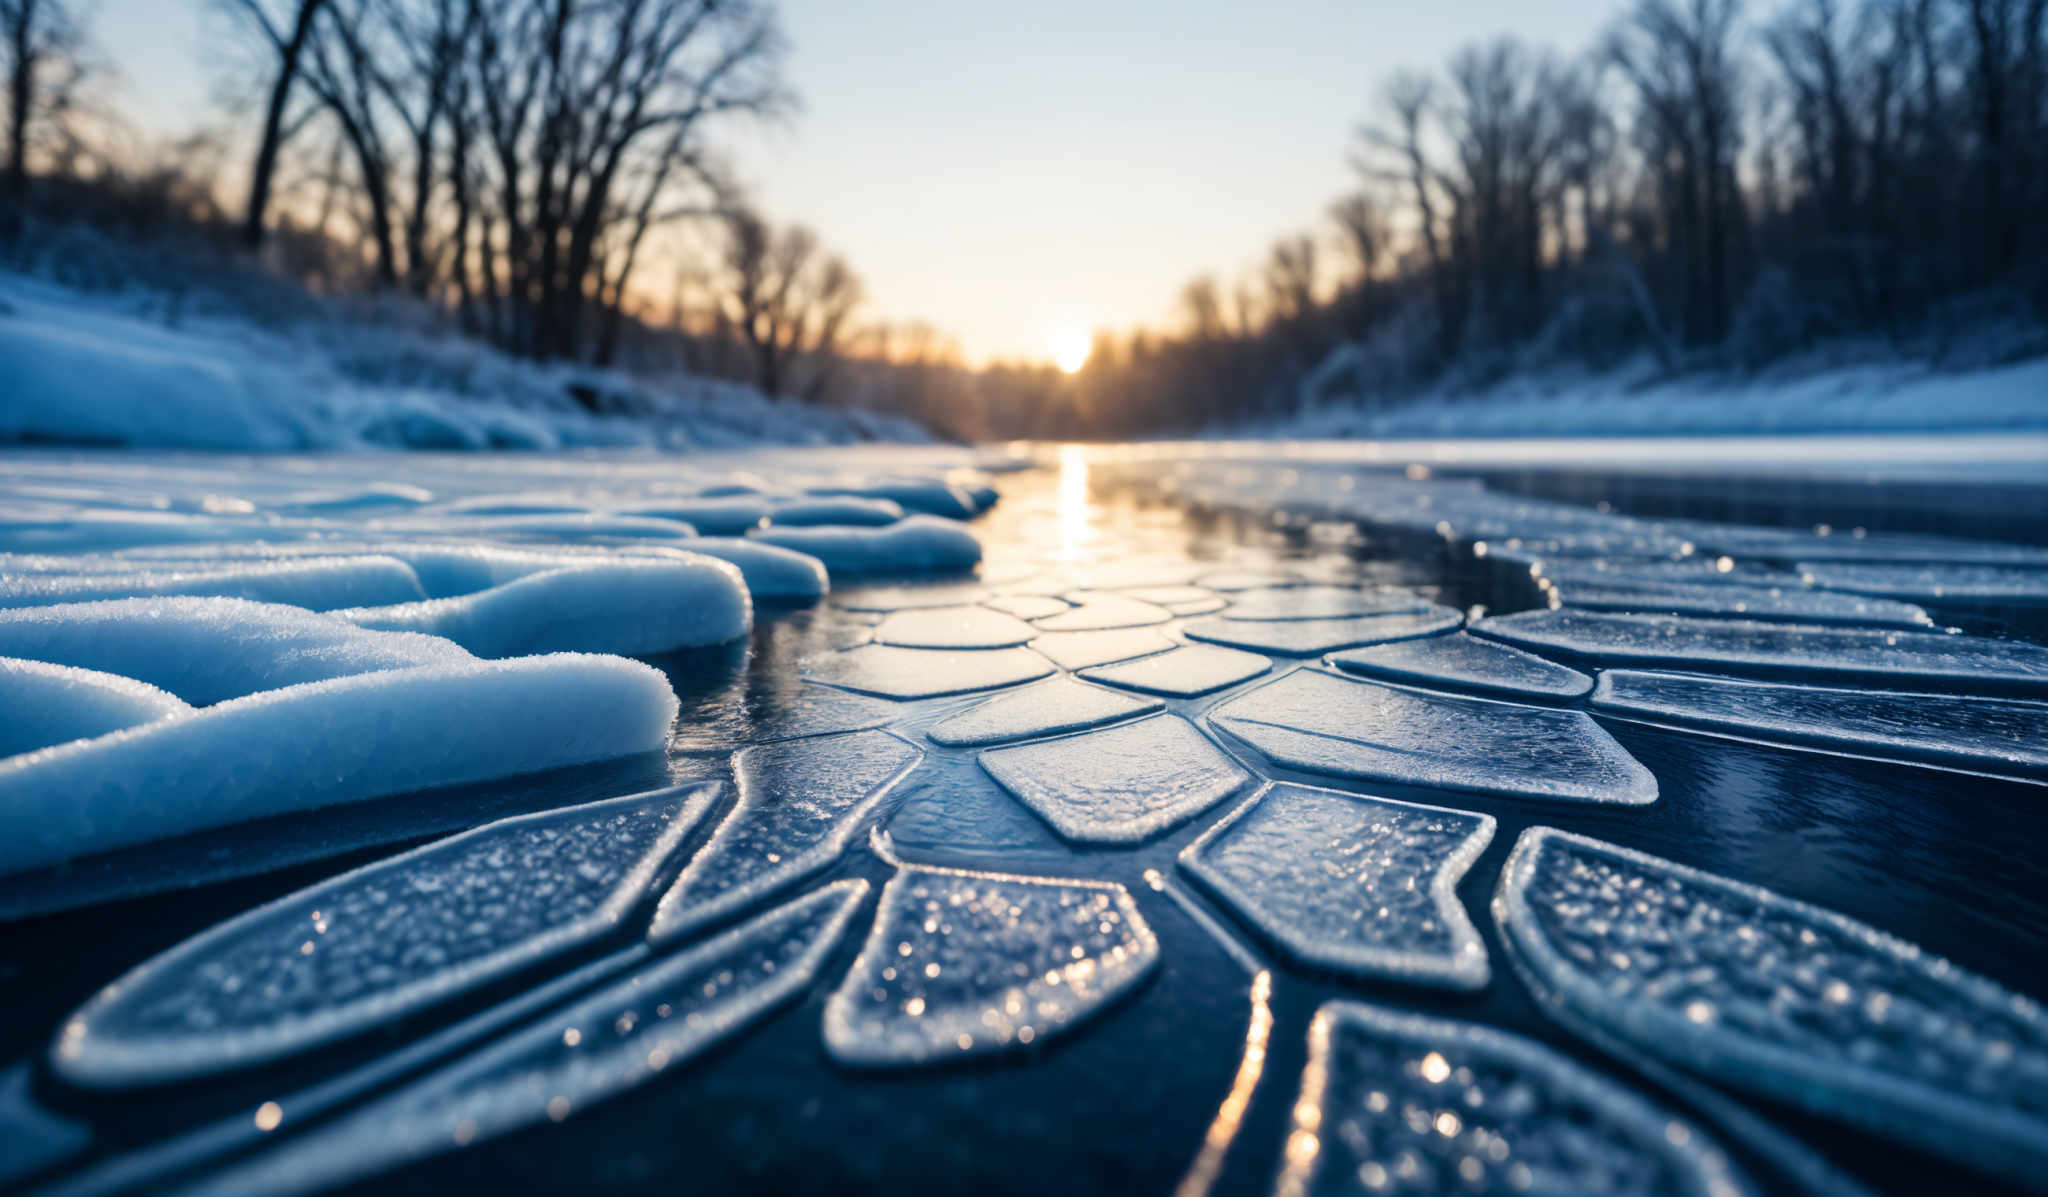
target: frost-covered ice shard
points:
(1463, 662)
(800, 803)
(1406, 1103)
(964, 964)
(1344, 727)
(1350, 883)
(1783, 604)
(1049, 708)
(890, 672)
(653, 1021)
(1783, 999)
(1978, 585)
(2002, 735)
(1310, 637)
(953, 627)
(1747, 646)
(1184, 672)
(377, 944)
(1121, 784)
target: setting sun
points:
(1070, 347)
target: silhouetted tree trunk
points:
(289, 49)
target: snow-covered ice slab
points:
(1310, 637)
(206, 650)
(953, 627)
(771, 572)
(1323, 723)
(1796, 1003)
(1184, 672)
(1848, 654)
(1464, 662)
(316, 583)
(801, 802)
(54, 704)
(377, 944)
(1784, 604)
(930, 496)
(1354, 884)
(1050, 708)
(846, 511)
(1121, 784)
(1978, 585)
(655, 1020)
(1097, 610)
(2002, 735)
(920, 544)
(1079, 650)
(630, 605)
(891, 672)
(1407, 1103)
(964, 964)
(1320, 602)
(394, 731)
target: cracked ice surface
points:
(1351, 883)
(1320, 602)
(1785, 999)
(1827, 653)
(961, 964)
(890, 672)
(1463, 662)
(1404, 1103)
(373, 946)
(953, 627)
(1965, 731)
(801, 802)
(1119, 785)
(1353, 728)
(656, 1019)
(1049, 708)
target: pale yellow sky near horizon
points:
(1012, 174)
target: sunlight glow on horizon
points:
(1070, 345)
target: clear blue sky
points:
(1006, 170)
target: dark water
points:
(1955, 862)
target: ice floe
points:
(1121, 784)
(1310, 637)
(2003, 735)
(377, 944)
(1183, 672)
(1784, 999)
(891, 672)
(1463, 662)
(1049, 708)
(800, 803)
(625, 1034)
(1398, 1102)
(1345, 727)
(1355, 884)
(770, 572)
(1976, 585)
(1079, 650)
(1852, 654)
(1320, 602)
(920, 544)
(1026, 606)
(912, 494)
(963, 964)
(1785, 604)
(54, 704)
(846, 511)
(886, 599)
(953, 627)
(316, 583)
(1096, 611)
(325, 743)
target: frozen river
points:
(1641, 816)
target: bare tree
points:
(787, 301)
(286, 41)
(39, 45)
